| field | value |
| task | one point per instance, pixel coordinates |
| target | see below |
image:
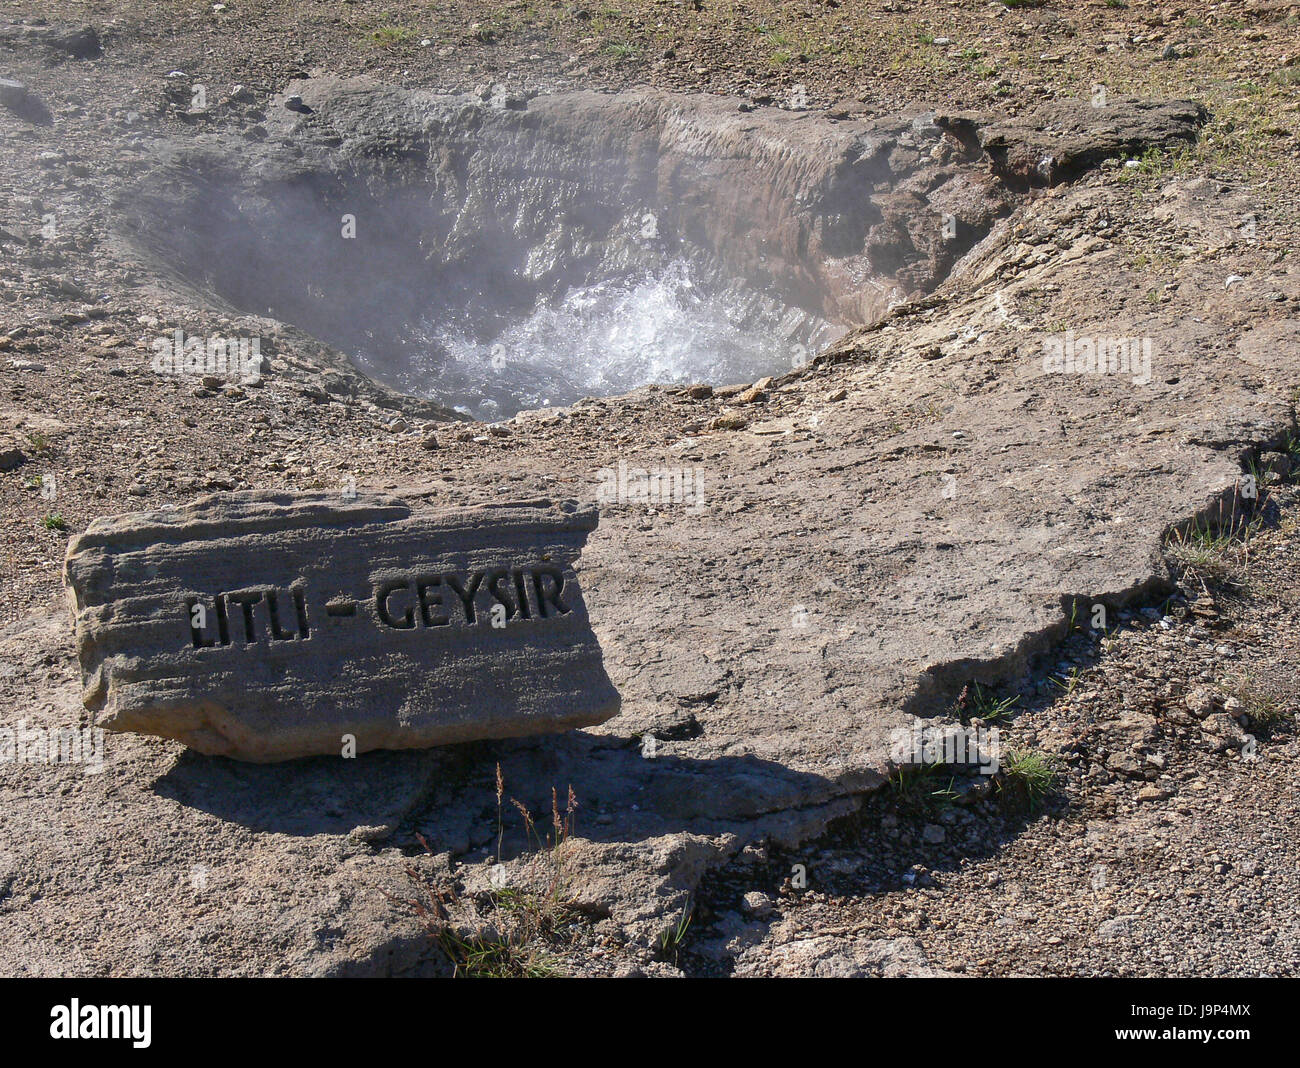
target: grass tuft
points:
(669, 942)
(1026, 777)
(1216, 551)
(389, 36)
(1267, 713)
(975, 702)
(506, 931)
(923, 789)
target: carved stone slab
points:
(265, 626)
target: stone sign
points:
(265, 626)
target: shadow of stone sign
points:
(267, 626)
(448, 793)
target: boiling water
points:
(661, 326)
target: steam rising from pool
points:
(493, 259)
(658, 326)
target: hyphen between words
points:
(397, 601)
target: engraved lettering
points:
(382, 592)
(494, 580)
(278, 633)
(246, 599)
(430, 603)
(550, 594)
(466, 593)
(300, 609)
(523, 595)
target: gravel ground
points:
(1163, 844)
(1161, 849)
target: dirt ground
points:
(1160, 846)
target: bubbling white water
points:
(608, 338)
